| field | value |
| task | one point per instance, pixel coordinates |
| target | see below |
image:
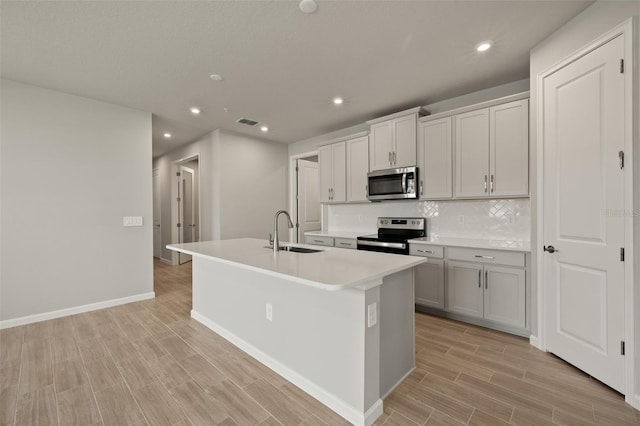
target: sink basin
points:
(297, 249)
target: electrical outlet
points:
(461, 219)
(269, 311)
(372, 314)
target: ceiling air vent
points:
(247, 121)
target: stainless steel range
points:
(393, 234)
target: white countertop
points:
(338, 234)
(329, 269)
(511, 245)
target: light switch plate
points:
(372, 314)
(132, 221)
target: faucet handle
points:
(270, 239)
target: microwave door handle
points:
(404, 183)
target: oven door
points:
(392, 184)
(396, 247)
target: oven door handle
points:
(382, 244)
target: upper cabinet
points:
(509, 149)
(434, 158)
(332, 161)
(392, 140)
(357, 169)
(344, 165)
(492, 151)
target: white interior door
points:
(157, 234)
(186, 209)
(583, 121)
(308, 198)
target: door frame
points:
(175, 168)
(156, 172)
(292, 191)
(628, 29)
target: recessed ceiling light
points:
(167, 135)
(308, 6)
(194, 110)
(484, 46)
(216, 77)
(338, 100)
(264, 128)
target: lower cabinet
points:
(464, 288)
(485, 284)
(429, 281)
(504, 295)
(491, 292)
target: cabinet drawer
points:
(497, 257)
(348, 243)
(426, 250)
(319, 241)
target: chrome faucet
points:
(276, 243)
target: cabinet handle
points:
(485, 183)
(425, 251)
(366, 190)
(318, 241)
(391, 164)
(345, 244)
(484, 257)
(394, 158)
(486, 279)
(421, 188)
(479, 278)
(491, 183)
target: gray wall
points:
(243, 182)
(71, 169)
(582, 30)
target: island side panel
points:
(319, 335)
(397, 329)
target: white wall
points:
(579, 32)
(71, 168)
(243, 183)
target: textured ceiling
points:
(280, 66)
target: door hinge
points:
(621, 157)
(178, 174)
(178, 225)
(297, 169)
(621, 254)
(621, 66)
(178, 199)
(622, 347)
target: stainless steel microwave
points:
(393, 184)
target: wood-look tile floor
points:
(149, 363)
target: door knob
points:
(550, 249)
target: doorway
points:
(305, 197)
(186, 207)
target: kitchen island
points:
(338, 323)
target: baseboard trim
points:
(392, 388)
(634, 401)
(535, 342)
(165, 261)
(30, 319)
(336, 404)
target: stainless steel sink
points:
(296, 249)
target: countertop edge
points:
(475, 244)
(327, 287)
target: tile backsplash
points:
(508, 219)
